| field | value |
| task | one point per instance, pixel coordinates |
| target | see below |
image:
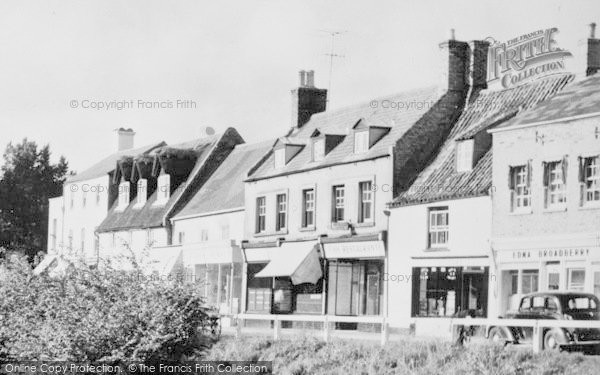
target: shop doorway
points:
(354, 287)
(553, 276)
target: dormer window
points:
(142, 192)
(164, 189)
(361, 141)
(280, 158)
(464, 156)
(318, 149)
(123, 195)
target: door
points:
(552, 277)
(343, 299)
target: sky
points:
(228, 63)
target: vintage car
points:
(558, 306)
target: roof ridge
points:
(345, 108)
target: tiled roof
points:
(106, 165)
(151, 215)
(439, 180)
(225, 188)
(399, 112)
(578, 99)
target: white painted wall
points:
(115, 244)
(85, 207)
(55, 224)
(217, 227)
(378, 170)
(469, 235)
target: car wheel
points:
(497, 335)
(552, 340)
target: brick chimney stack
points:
(125, 139)
(307, 99)
(455, 63)
(478, 64)
(593, 52)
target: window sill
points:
(340, 225)
(521, 212)
(365, 225)
(268, 234)
(436, 249)
(312, 228)
(590, 206)
(555, 209)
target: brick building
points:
(316, 223)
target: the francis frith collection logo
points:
(525, 58)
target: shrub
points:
(96, 315)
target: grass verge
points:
(308, 355)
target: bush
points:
(96, 315)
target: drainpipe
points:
(386, 264)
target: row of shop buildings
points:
(455, 205)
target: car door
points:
(525, 312)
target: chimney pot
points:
(452, 34)
(302, 78)
(310, 78)
(125, 139)
(592, 30)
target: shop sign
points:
(361, 249)
(544, 254)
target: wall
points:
(378, 170)
(469, 235)
(136, 240)
(55, 212)
(516, 147)
(213, 225)
(79, 215)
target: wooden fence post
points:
(238, 327)
(384, 332)
(276, 328)
(538, 338)
(326, 329)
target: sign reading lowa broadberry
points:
(524, 58)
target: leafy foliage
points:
(96, 315)
(28, 180)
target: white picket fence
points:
(538, 326)
(325, 319)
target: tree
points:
(28, 180)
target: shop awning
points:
(44, 264)
(298, 260)
(54, 265)
(164, 260)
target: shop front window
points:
(354, 287)
(597, 283)
(576, 279)
(530, 281)
(215, 283)
(447, 291)
(259, 290)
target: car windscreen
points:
(580, 303)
